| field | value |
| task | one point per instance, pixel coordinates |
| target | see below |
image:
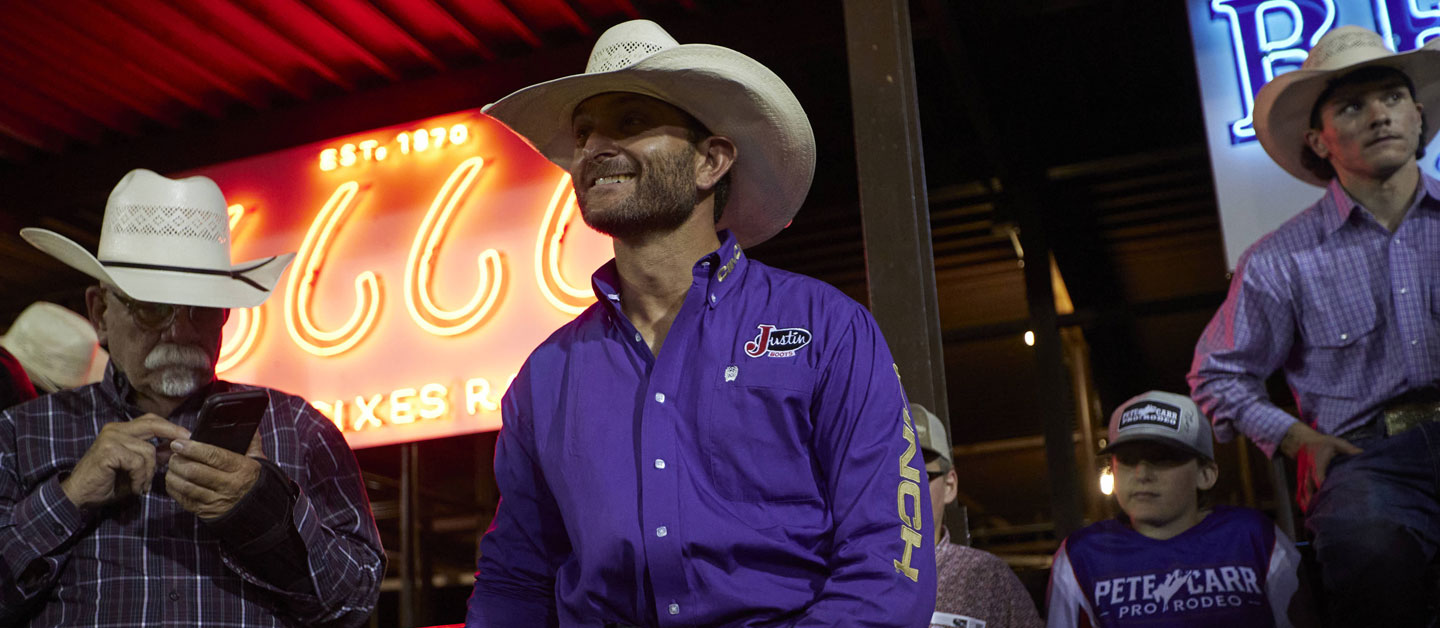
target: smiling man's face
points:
(635, 164)
(1369, 129)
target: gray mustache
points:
(169, 355)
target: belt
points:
(1400, 414)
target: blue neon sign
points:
(1271, 37)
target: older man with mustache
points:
(110, 515)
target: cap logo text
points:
(1151, 413)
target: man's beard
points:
(179, 370)
(663, 199)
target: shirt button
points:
(712, 298)
(674, 608)
(659, 463)
(662, 531)
(637, 337)
(1414, 342)
(705, 264)
(1404, 290)
(174, 596)
(660, 397)
(1344, 336)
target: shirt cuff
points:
(45, 522)
(1266, 425)
(48, 518)
(261, 519)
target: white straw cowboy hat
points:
(168, 241)
(730, 93)
(57, 347)
(1283, 106)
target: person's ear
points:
(1316, 142)
(95, 306)
(952, 487)
(718, 154)
(1209, 473)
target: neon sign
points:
(419, 285)
(1270, 37)
(418, 301)
(370, 149)
(246, 329)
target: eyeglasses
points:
(159, 316)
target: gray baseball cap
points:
(930, 431)
(1162, 417)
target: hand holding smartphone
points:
(229, 419)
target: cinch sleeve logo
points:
(907, 498)
(777, 343)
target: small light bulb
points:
(1029, 338)
(1107, 482)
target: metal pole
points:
(1053, 384)
(1247, 478)
(409, 484)
(1082, 387)
(899, 261)
(1284, 516)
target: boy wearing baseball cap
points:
(1169, 559)
(975, 588)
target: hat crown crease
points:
(628, 44)
(1342, 49)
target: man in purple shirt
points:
(1345, 298)
(715, 442)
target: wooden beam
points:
(899, 261)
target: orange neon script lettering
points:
(304, 274)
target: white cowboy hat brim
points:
(247, 284)
(731, 94)
(1283, 106)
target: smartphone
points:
(229, 419)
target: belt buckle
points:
(1400, 418)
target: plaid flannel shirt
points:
(1349, 310)
(145, 561)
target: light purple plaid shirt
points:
(146, 561)
(1350, 311)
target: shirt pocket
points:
(756, 431)
(1339, 324)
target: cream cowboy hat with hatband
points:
(1282, 108)
(731, 94)
(167, 241)
(57, 347)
